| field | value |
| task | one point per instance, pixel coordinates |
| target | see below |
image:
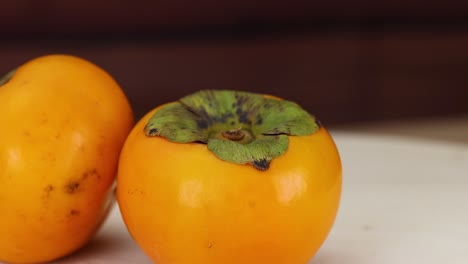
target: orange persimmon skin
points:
(64, 121)
(183, 205)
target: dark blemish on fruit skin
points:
(135, 192)
(47, 190)
(74, 212)
(262, 164)
(92, 172)
(252, 204)
(72, 187)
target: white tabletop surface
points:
(404, 201)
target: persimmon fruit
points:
(64, 121)
(229, 177)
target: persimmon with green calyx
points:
(227, 177)
(64, 121)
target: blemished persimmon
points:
(229, 177)
(64, 121)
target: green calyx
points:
(7, 77)
(238, 127)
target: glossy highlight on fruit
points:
(64, 121)
(229, 177)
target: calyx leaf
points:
(207, 115)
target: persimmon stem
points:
(241, 136)
(234, 134)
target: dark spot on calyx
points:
(223, 118)
(239, 105)
(243, 116)
(150, 131)
(262, 164)
(202, 123)
(153, 131)
(204, 120)
(241, 100)
(72, 187)
(258, 120)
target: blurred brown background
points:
(348, 62)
